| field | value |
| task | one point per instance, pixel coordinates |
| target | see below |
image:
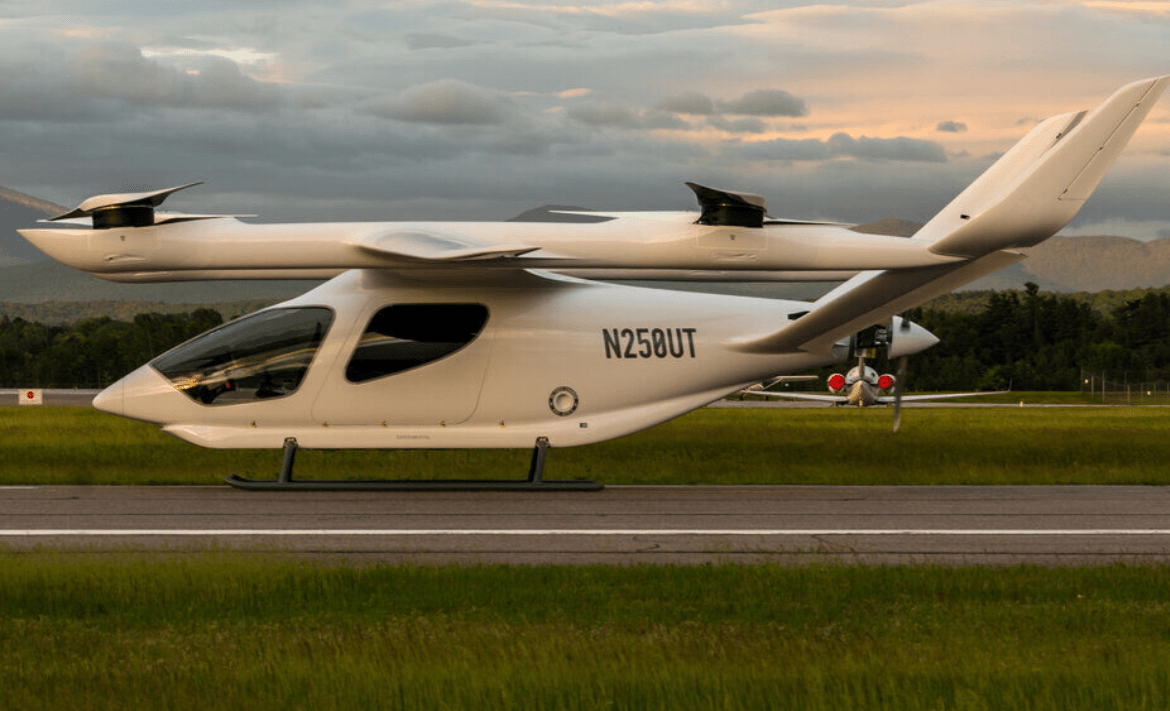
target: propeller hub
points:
(909, 338)
(109, 218)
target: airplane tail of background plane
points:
(1028, 195)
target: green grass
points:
(187, 630)
(1057, 397)
(1118, 445)
(1043, 397)
(231, 631)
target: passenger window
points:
(406, 336)
(257, 357)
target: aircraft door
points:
(413, 364)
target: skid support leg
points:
(536, 468)
(534, 482)
(290, 455)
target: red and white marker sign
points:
(31, 397)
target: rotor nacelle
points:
(121, 210)
(725, 207)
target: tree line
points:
(91, 353)
(1027, 340)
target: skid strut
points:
(534, 482)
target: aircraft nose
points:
(112, 399)
(144, 395)
(909, 338)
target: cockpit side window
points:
(405, 336)
(258, 357)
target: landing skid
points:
(534, 482)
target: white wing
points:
(797, 396)
(889, 399)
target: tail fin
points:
(1026, 197)
(1038, 186)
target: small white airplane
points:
(498, 335)
(862, 386)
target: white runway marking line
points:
(154, 532)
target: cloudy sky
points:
(471, 109)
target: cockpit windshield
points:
(254, 358)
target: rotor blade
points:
(99, 202)
(898, 384)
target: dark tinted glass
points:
(253, 358)
(406, 336)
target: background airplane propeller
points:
(900, 381)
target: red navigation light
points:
(836, 382)
(886, 382)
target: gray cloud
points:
(434, 40)
(692, 102)
(748, 125)
(635, 19)
(654, 118)
(604, 113)
(951, 127)
(766, 102)
(901, 148)
(807, 149)
(842, 145)
(351, 126)
(446, 101)
(102, 81)
(769, 103)
(116, 71)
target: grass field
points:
(181, 630)
(1118, 445)
(231, 631)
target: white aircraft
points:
(862, 386)
(498, 335)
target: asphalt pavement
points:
(952, 525)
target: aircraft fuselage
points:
(572, 360)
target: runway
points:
(1063, 525)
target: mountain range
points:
(1068, 264)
